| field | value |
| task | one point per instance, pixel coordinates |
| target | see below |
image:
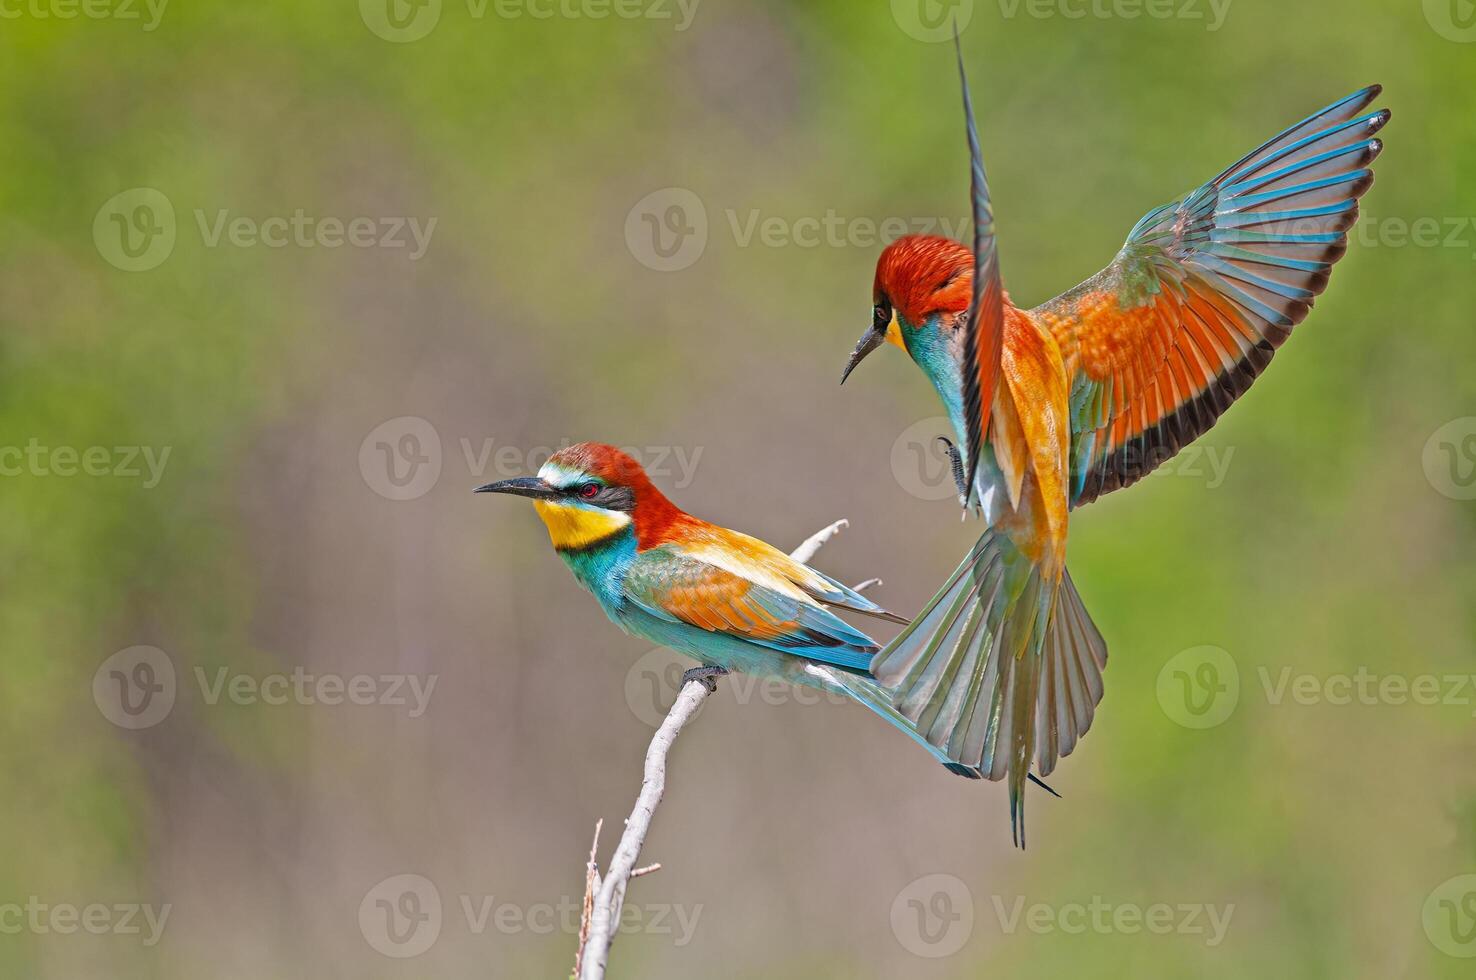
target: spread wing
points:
(722, 590)
(1161, 342)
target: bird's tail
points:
(1003, 664)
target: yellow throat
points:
(571, 526)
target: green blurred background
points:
(567, 292)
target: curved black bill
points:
(523, 486)
(870, 341)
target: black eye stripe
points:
(608, 497)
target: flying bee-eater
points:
(728, 601)
(1057, 405)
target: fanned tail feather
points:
(1002, 665)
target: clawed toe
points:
(706, 675)
(956, 459)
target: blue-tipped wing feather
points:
(1206, 288)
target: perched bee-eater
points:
(728, 601)
(1057, 405)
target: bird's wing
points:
(758, 560)
(984, 334)
(1206, 288)
(725, 591)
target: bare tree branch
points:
(811, 546)
(604, 897)
(591, 885)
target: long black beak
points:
(870, 341)
(523, 486)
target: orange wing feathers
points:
(1162, 341)
(1031, 435)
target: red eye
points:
(589, 491)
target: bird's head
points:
(921, 281)
(590, 493)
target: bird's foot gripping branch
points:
(604, 895)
